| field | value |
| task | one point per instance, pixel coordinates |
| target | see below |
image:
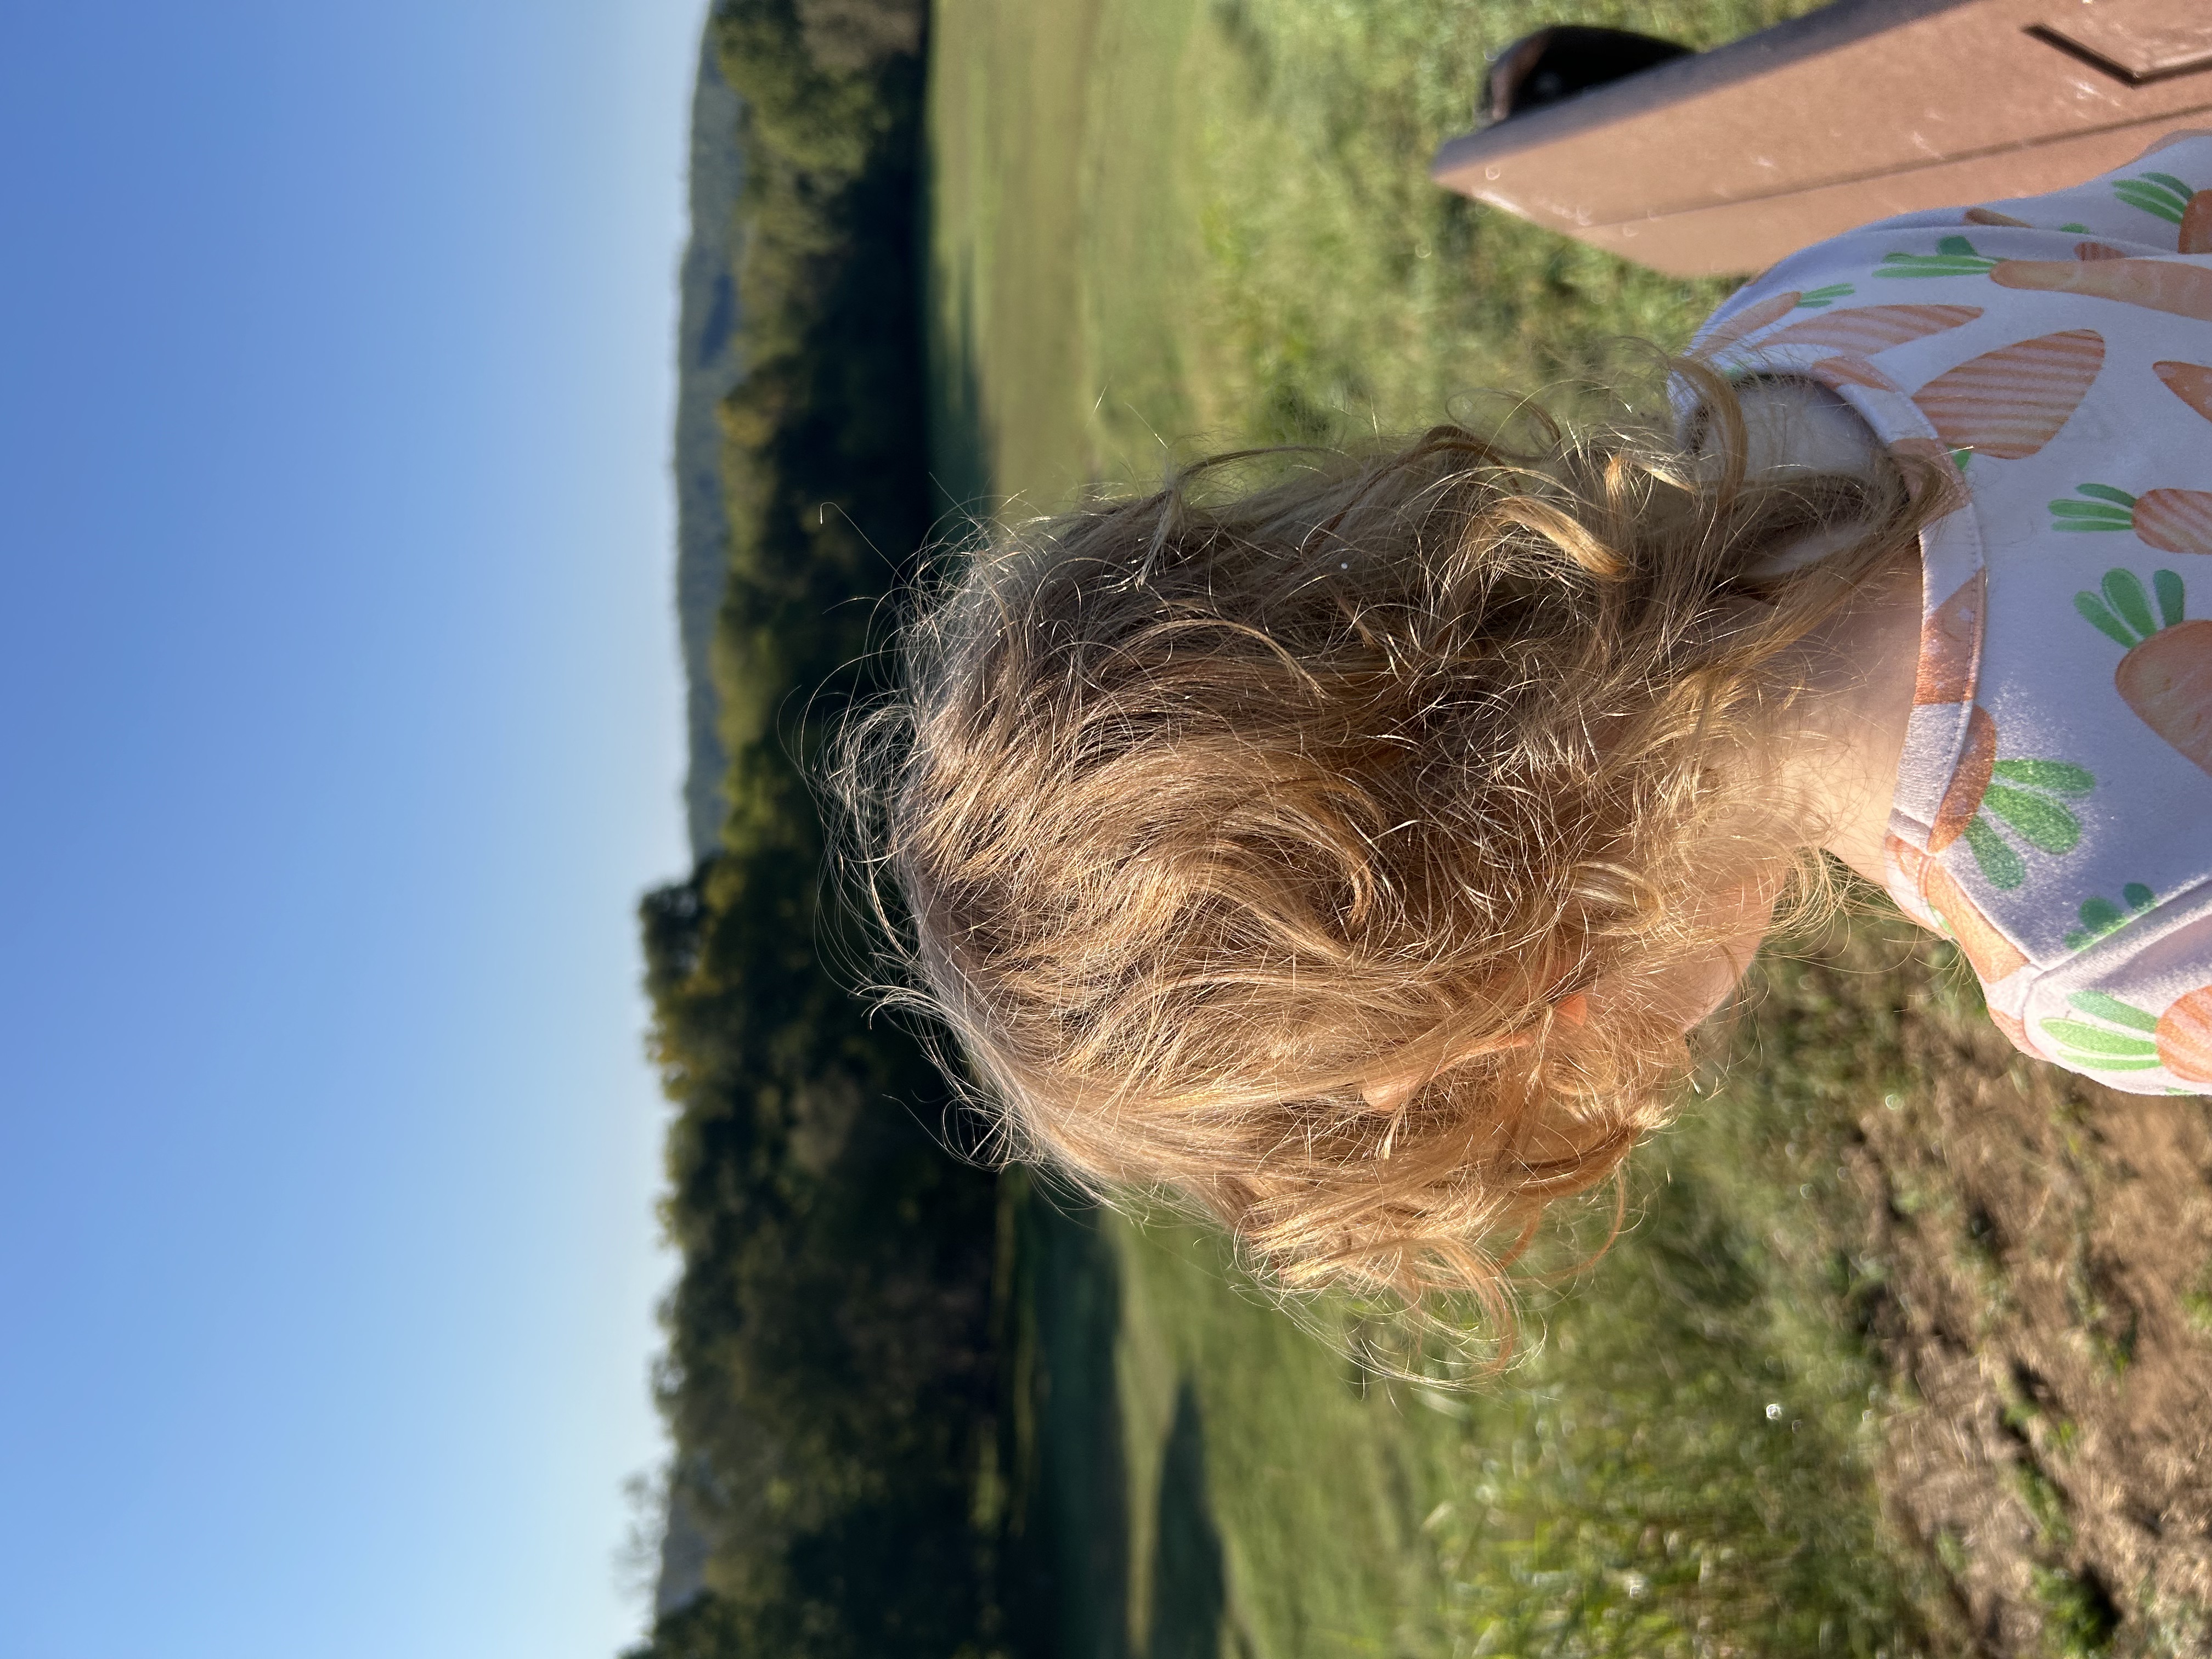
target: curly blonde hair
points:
(1200, 811)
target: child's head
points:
(1335, 852)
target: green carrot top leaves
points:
(2107, 508)
(2106, 493)
(2025, 800)
(2111, 1008)
(1955, 256)
(2120, 611)
(2052, 777)
(2100, 1048)
(2160, 193)
(1814, 299)
(2101, 916)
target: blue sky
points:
(340, 730)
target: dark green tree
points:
(828, 1377)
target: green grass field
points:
(1682, 1467)
(1158, 227)
(1167, 221)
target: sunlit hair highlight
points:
(1197, 811)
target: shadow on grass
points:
(1072, 1560)
(1189, 1594)
(1072, 1594)
(959, 446)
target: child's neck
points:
(1840, 754)
(1848, 735)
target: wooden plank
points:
(1746, 236)
(2138, 40)
(1730, 160)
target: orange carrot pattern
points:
(2008, 854)
(1991, 803)
(2160, 194)
(1955, 256)
(1909, 862)
(2175, 520)
(2184, 1037)
(1865, 329)
(2008, 403)
(2167, 681)
(1768, 312)
(1749, 321)
(2196, 223)
(1994, 957)
(2165, 285)
(2118, 1036)
(1950, 641)
(2171, 521)
(2190, 382)
(1844, 369)
(2166, 675)
(1970, 781)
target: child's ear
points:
(1393, 1090)
(1690, 991)
(1388, 1094)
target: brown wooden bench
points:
(1726, 160)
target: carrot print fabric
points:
(2053, 810)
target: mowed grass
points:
(1159, 226)
(1162, 223)
(1683, 1465)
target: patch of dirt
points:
(2036, 1270)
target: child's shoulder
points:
(2139, 235)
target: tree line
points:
(829, 1376)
